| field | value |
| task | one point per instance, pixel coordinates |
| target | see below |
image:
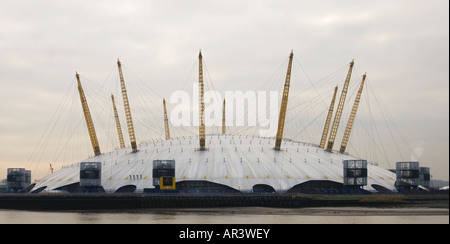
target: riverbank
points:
(145, 201)
(385, 200)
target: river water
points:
(248, 215)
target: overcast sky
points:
(402, 45)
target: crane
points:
(119, 129)
(166, 121)
(201, 128)
(284, 102)
(351, 119)
(88, 118)
(327, 122)
(127, 109)
(337, 116)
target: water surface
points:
(249, 215)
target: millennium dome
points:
(222, 162)
(231, 162)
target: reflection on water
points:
(231, 216)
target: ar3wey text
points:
(226, 234)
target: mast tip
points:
(352, 62)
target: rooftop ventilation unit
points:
(424, 177)
(164, 174)
(17, 179)
(90, 174)
(355, 173)
(407, 175)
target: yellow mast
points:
(284, 102)
(224, 128)
(119, 129)
(201, 128)
(127, 109)
(166, 121)
(87, 116)
(340, 107)
(327, 123)
(351, 119)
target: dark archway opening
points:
(126, 189)
(263, 188)
(318, 187)
(200, 186)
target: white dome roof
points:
(239, 162)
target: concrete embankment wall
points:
(136, 201)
